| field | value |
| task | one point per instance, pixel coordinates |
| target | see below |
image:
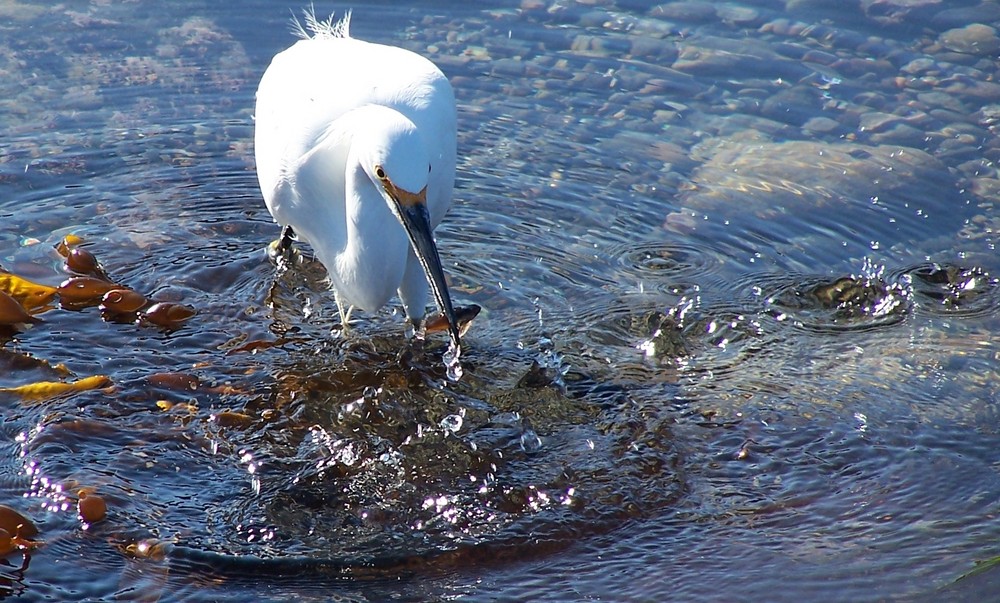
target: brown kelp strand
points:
(32, 296)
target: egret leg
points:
(415, 329)
(345, 315)
(282, 254)
(281, 251)
(286, 240)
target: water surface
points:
(738, 341)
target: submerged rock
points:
(976, 39)
(842, 197)
(895, 11)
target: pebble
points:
(684, 11)
(821, 125)
(986, 187)
(988, 91)
(741, 16)
(987, 11)
(976, 39)
(919, 66)
(901, 134)
(877, 121)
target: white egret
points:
(355, 150)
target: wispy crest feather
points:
(318, 29)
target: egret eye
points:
(380, 173)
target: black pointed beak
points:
(412, 213)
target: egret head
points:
(397, 163)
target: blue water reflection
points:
(738, 270)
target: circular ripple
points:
(955, 290)
(832, 305)
(664, 261)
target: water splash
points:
(551, 362)
(453, 363)
(252, 468)
(453, 423)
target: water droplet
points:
(452, 361)
(451, 423)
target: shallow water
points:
(737, 268)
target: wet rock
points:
(897, 11)
(877, 121)
(742, 16)
(919, 66)
(987, 91)
(665, 340)
(887, 193)
(938, 99)
(594, 18)
(976, 167)
(901, 134)
(725, 57)
(793, 106)
(958, 149)
(538, 376)
(976, 39)
(865, 68)
(989, 116)
(986, 188)
(821, 125)
(649, 48)
(955, 288)
(984, 12)
(695, 12)
(820, 57)
(847, 302)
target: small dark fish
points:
(464, 315)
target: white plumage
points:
(355, 150)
